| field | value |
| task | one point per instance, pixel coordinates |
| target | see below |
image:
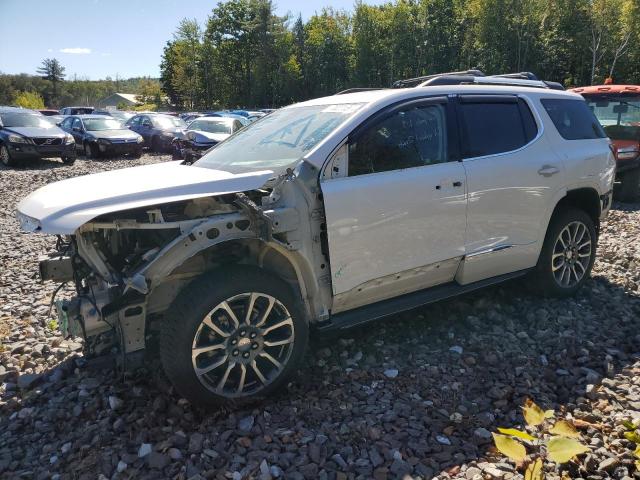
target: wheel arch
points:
(287, 265)
(586, 199)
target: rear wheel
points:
(156, 145)
(568, 253)
(630, 191)
(90, 151)
(233, 336)
(5, 156)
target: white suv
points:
(323, 215)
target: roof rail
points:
(414, 82)
(360, 89)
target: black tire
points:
(553, 256)
(5, 157)
(137, 153)
(183, 328)
(156, 145)
(69, 160)
(630, 188)
(90, 152)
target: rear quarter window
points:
(573, 119)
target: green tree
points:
(53, 71)
(29, 100)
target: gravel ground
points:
(415, 396)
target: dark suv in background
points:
(158, 130)
(26, 134)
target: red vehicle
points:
(617, 107)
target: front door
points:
(396, 218)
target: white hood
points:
(62, 207)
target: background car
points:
(76, 110)
(49, 113)
(157, 130)
(203, 133)
(617, 108)
(118, 114)
(27, 134)
(98, 135)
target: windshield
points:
(211, 126)
(96, 124)
(168, 122)
(619, 115)
(278, 140)
(25, 120)
(124, 116)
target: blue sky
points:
(98, 38)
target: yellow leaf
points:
(549, 413)
(637, 452)
(510, 447)
(534, 470)
(533, 414)
(562, 449)
(565, 429)
(516, 433)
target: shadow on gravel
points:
(417, 393)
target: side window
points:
(573, 119)
(237, 125)
(134, 122)
(408, 138)
(490, 126)
(146, 121)
(66, 123)
(77, 123)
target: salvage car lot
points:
(418, 394)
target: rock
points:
(121, 467)
(195, 442)
(472, 472)
(391, 373)
(27, 381)
(456, 349)
(443, 440)
(144, 450)
(608, 465)
(157, 460)
(115, 403)
(174, 454)
(482, 434)
(246, 424)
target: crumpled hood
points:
(114, 134)
(36, 131)
(62, 207)
(207, 137)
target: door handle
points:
(548, 170)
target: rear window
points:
(494, 125)
(573, 119)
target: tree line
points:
(51, 88)
(245, 55)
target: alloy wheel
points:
(4, 156)
(571, 254)
(242, 345)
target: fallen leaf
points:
(533, 414)
(562, 449)
(534, 470)
(565, 429)
(516, 433)
(510, 447)
(584, 424)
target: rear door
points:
(514, 178)
(396, 218)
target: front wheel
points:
(233, 336)
(568, 253)
(90, 151)
(68, 160)
(5, 156)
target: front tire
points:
(68, 160)
(630, 188)
(5, 156)
(90, 152)
(233, 336)
(567, 255)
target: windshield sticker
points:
(342, 108)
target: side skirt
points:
(358, 316)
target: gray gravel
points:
(415, 396)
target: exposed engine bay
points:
(128, 266)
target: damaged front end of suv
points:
(139, 243)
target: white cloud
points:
(105, 54)
(49, 50)
(76, 51)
